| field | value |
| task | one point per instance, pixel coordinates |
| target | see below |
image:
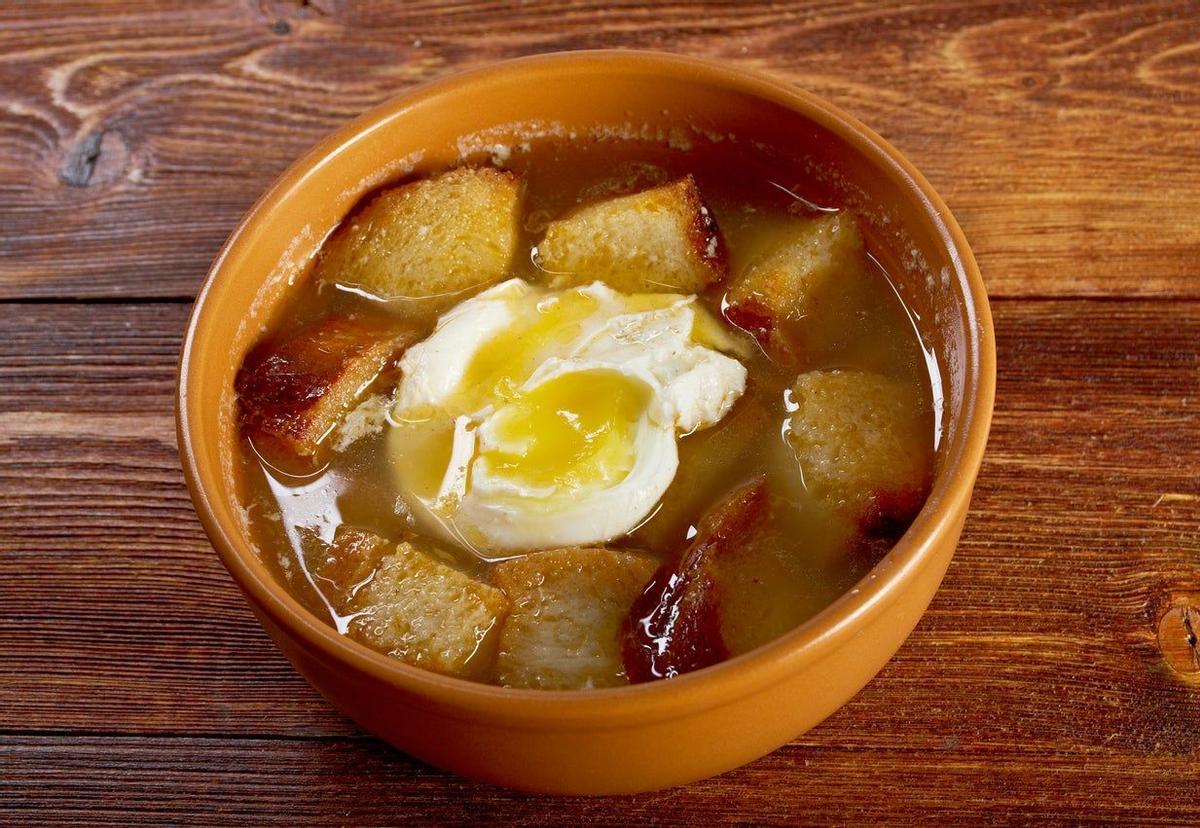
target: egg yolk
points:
(542, 330)
(509, 358)
(576, 430)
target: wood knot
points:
(81, 160)
(1179, 639)
(98, 157)
(283, 11)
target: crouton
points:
(862, 443)
(762, 593)
(568, 606)
(343, 567)
(656, 241)
(786, 283)
(401, 600)
(293, 393)
(789, 568)
(674, 625)
(434, 237)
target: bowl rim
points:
(713, 686)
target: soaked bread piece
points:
(292, 394)
(655, 241)
(406, 603)
(674, 626)
(424, 612)
(861, 439)
(342, 568)
(785, 284)
(442, 235)
(568, 606)
(766, 586)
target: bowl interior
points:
(593, 94)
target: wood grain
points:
(136, 686)
(1056, 677)
(126, 781)
(134, 135)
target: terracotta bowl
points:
(653, 735)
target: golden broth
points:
(807, 556)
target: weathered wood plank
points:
(116, 609)
(133, 136)
(1055, 678)
(1035, 685)
(174, 780)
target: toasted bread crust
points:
(707, 243)
(403, 601)
(857, 436)
(434, 237)
(341, 568)
(568, 606)
(662, 239)
(423, 612)
(786, 284)
(674, 625)
(292, 393)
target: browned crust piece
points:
(342, 567)
(427, 613)
(703, 231)
(402, 600)
(293, 393)
(784, 285)
(756, 319)
(674, 625)
(624, 242)
(568, 608)
(431, 238)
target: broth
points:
(805, 555)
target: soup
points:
(586, 413)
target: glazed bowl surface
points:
(645, 736)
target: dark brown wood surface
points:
(1055, 677)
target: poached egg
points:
(531, 418)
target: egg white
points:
(645, 340)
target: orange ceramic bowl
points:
(652, 735)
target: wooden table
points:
(1056, 674)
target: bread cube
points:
(787, 281)
(293, 393)
(435, 236)
(663, 240)
(403, 601)
(674, 625)
(342, 568)
(761, 593)
(768, 584)
(863, 443)
(568, 606)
